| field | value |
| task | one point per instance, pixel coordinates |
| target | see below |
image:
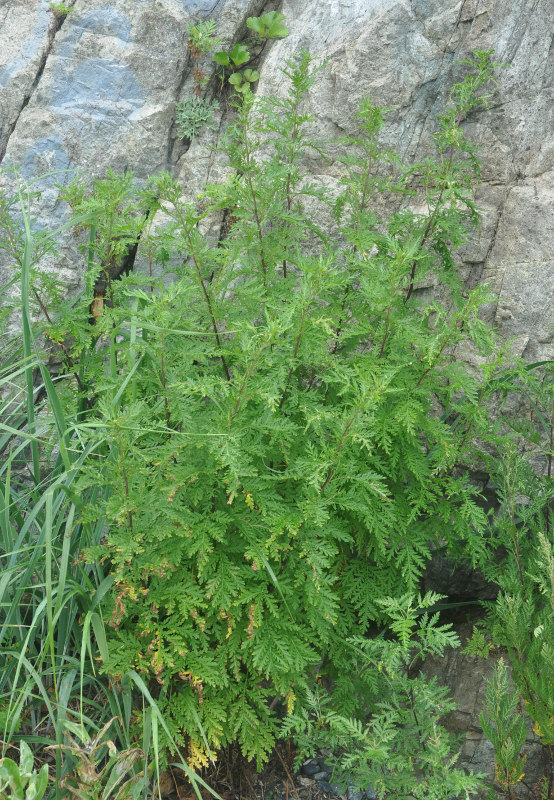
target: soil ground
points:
(235, 778)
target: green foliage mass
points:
(402, 750)
(269, 26)
(505, 728)
(202, 37)
(279, 420)
(271, 447)
(23, 782)
(521, 539)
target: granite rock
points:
(98, 88)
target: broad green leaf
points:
(25, 759)
(269, 25)
(271, 17)
(273, 20)
(41, 782)
(239, 55)
(222, 57)
(277, 30)
(256, 24)
(9, 772)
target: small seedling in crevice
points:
(241, 80)
(193, 114)
(268, 26)
(236, 57)
(201, 40)
(59, 9)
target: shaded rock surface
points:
(466, 676)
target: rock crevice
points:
(11, 73)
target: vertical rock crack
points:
(53, 29)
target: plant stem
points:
(67, 355)
(339, 448)
(293, 138)
(248, 375)
(162, 369)
(126, 482)
(296, 347)
(429, 227)
(355, 248)
(549, 468)
(208, 301)
(255, 204)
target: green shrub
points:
(521, 539)
(505, 728)
(265, 454)
(401, 748)
(277, 436)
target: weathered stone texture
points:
(26, 34)
(466, 676)
(99, 88)
(97, 91)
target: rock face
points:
(94, 89)
(466, 676)
(97, 88)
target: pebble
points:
(311, 768)
(318, 770)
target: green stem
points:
(296, 348)
(28, 338)
(331, 470)
(207, 299)
(255, 204)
